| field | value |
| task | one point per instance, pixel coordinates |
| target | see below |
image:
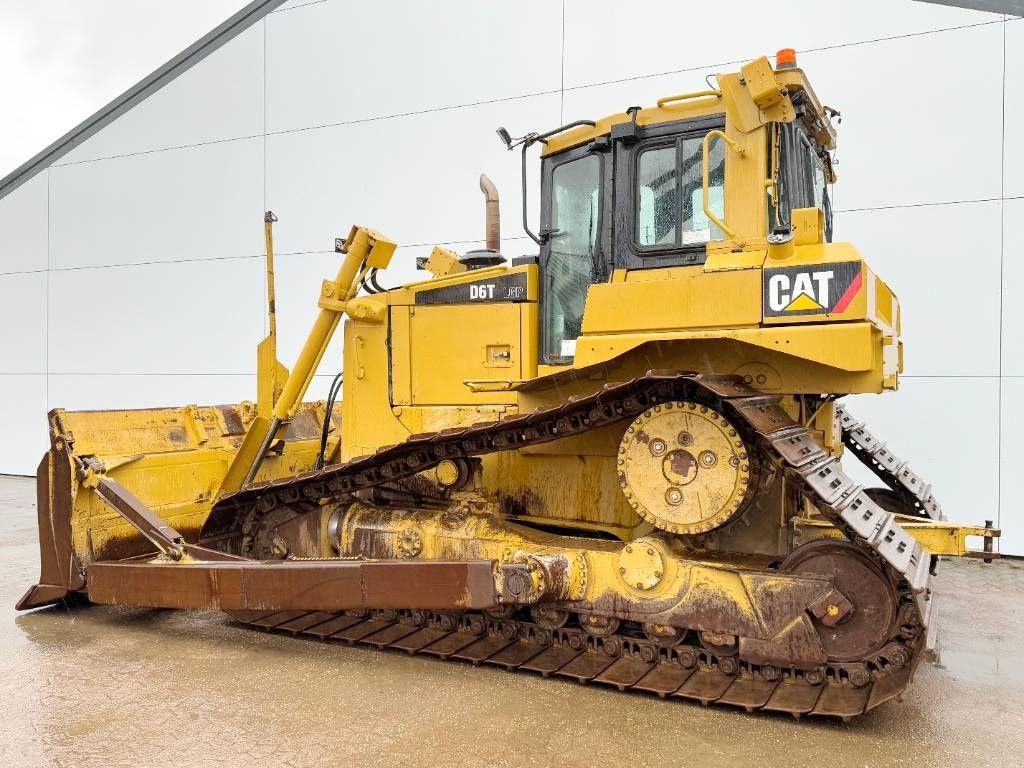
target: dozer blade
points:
(172, 460)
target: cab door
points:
(574, 249)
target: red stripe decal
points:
(846, 298)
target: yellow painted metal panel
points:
(847, 346)
(727, 260)
(418, 419)
(367, 418)
(401, 372)
(153, 430)
(453, 343)
(687, 300)
(885, 303)
(529, 339)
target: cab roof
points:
(738, 96)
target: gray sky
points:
(61, 60)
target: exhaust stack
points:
(493, 214)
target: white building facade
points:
(131, 268)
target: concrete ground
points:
(107, 687)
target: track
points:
(890, 469)
(628, 663)
(623, 659)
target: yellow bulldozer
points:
(618, 460)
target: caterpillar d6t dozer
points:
(618, 460)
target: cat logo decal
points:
(816, 289)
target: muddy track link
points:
(786, 443)
(625, 661)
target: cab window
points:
(802, 182)
(572, 262)
(669, 195)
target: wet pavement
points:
(107, 687)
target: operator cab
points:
(653, 188)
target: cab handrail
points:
(735, 146)
(687, 96)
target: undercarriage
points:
(836, 627)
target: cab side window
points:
(669, 201)
(657, 222)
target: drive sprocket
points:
(685, 468)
